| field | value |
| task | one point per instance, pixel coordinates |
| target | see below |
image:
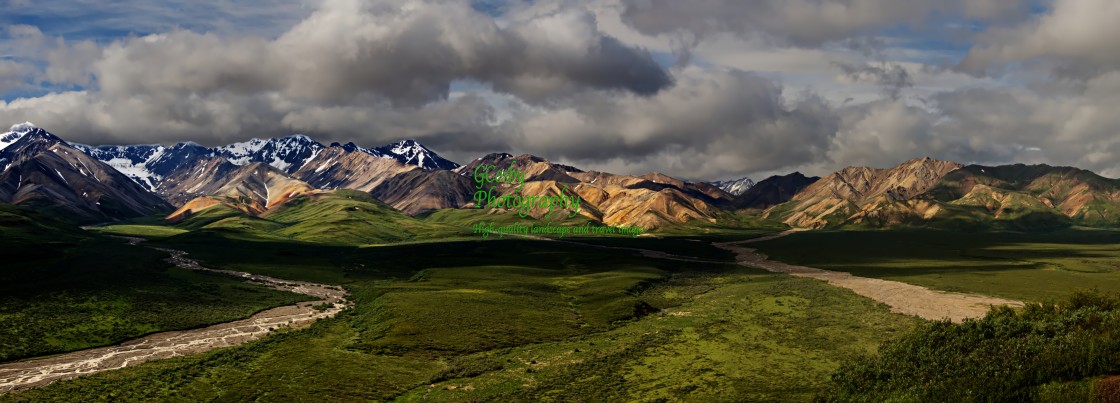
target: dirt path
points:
(40, 372)
(901, 297)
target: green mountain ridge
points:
(336, 217)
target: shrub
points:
(1008, 355)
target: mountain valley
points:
(442, 305)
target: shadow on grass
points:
(948, 251)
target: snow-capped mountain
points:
(735, 187)
(351, 147)
(181, 156)
(287, 154)
(413, 153)
(43, 170)
(17, 132)
(132, 161)
(409, 152)
(185, 170)
(25, 129)
(148, 164)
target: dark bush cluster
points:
(1009, 355)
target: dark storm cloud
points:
(891, 77)
(610, 65)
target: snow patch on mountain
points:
(241, 153)
(133, 161)
(735, 187)
(413, 153)
(287, 154)
(16, 132)
(351, 147)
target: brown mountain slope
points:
(418, 190)
(652, 200)
(652, 209)
(246, 188)
(856, 192)
(199, 178)
(405, 187)
(1083, 196)
(336, 168)
(939, 193)
(252, 188)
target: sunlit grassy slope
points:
(339, 217)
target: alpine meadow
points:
(560, 200)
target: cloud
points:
(892, 78)
(1075, 38)
(759, 86)
(1076, 129)
(407, 52)
(458, 124)
(803, 22)
(14, 74)
(709, 124)
(70, 62)
(986, 125)
(377, 68)
(27, 49)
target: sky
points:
(698, 89)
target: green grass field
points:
(453, 316)
(62, 289)
(138, 230)
(529, 320)
(1025, 266)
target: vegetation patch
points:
(554, 322)
(101, 292)
(1046, 350)
(1028, 266)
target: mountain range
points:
(258, 178)
(149, 165)
(651, 200)
(928, 192)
